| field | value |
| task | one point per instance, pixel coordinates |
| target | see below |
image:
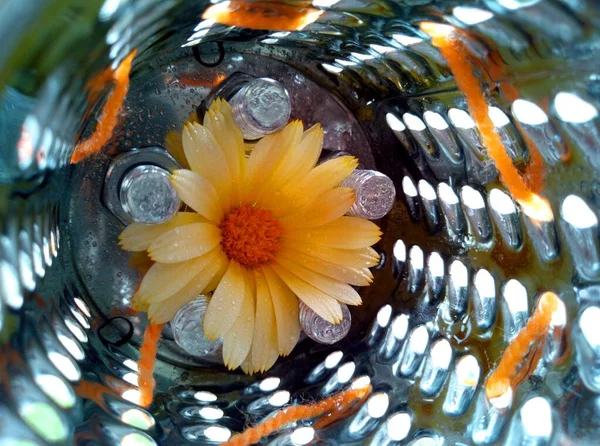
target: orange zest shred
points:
(535, 173)
(262, 15)
(509, 371)
(454, 51)
(110, 113)
(334, 407)
(93, 391)
(250, 235)
(147, 362)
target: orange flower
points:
(267, 230)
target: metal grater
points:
(462, 267)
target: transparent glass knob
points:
(188, 331)
(375, 193)
(147, 195)
(261, 107)
(321, 331)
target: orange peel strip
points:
(110, 113)
(335, 406)
(506, 375)
(262, 15)
(147, 362)
(454, 51)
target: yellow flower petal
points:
(325, 306)
(238, 340)
(185, 242)
(226, 302)
(267, 161)
(138, 304)
(198, 193)
(307, 154)
(258, 162)
(206, 158)
(330, 206)
(214, 283)
(139, 237)
(344, 233)
(353, 258)
(264, 342)
(165, 279)
(346, 274)
(319, 180)
(174, 146)
(219, 121)
(285, 306)
(246, 366)
(162, 312)
(282, 173)
(338, 290)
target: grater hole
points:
(66, 365)
(451, 211)
(44, 420)
(204, 434)
(75, 329)
(342, 376)
(435, 275)
(71, 345)
(580, 226)
(302, 436)
(136, 439)
(398, 426)
(504, 215)
(533, 421)
(10, 285)
(462, 386)
(514, 308)
(413, 123)
(131, 416)
(26, 267)
(58, 390)
(411, 197)
(394, 339)
(81, 319)
(471, 16)
(455, 303)
(435, 371)
(412, 353)
(484, 299)
(208, 413)
(415, 269)
(571, 108)
(430, 205)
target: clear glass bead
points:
(322, 331)
(147, 195)
(261, 107)
(188, 331)
(375, 193)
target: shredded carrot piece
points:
(507, 373)
(335, 407)
(146, 363)
(454, 51)
(262, 15)
(110, 113)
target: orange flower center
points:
(250, 235)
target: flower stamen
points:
(250, 235)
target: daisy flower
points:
(266, 231)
